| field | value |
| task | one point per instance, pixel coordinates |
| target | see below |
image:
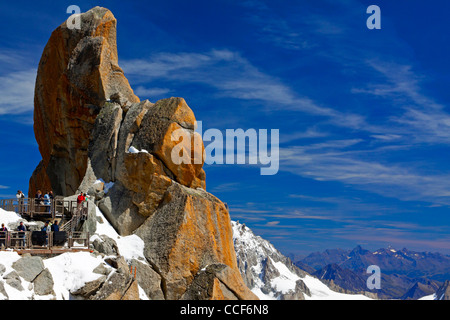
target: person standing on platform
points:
(22, 229)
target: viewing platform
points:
(69, 238)
(31, 208)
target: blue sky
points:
(363, 114)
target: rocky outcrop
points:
(189, 231)
(120, 286)
(132, 150)
(77, 73)
(215, 283)
(141, 162)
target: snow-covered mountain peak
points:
(272, 276)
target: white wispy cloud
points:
(232, 76)
(309, 133)
(421, 118)
(17, 92)
(226, 187)
(339, 161)
(143, 92)
(273, 29)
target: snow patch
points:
(71, 271)
(134, 150)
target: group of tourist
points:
(21, 229)
(45, 199)
(40, 200)
(4, 232)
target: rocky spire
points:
(77, 73)
(96, 136)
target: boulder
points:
(119, 263)
(119, 286)
(29, 267)
(13, 280)
(148, 279)
(105, 245)
(218, 282)
(133, 151)
(89, 288)
(162, 132)
(43, 283)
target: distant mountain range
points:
(405, 274)
(338, 274)
(272, 276)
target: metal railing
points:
(80, 214)
(43, 240)
(54, 208)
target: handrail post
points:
(32, 205)
(50, 239)
(25, 241)
(8, 239)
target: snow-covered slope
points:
(429, 297)
(270, 275)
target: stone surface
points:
(3, 291)
(90, 288)
(29, 267)
(105, 245)
(189, 231)
(13, 279)
(148, 279)
(218, 282)
(77, 73)
(158, 135)
(43, 283)
(119, 286)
